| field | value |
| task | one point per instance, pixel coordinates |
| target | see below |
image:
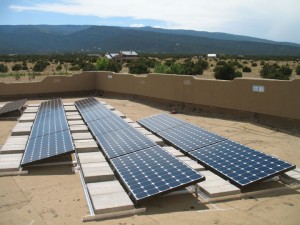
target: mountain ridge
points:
(47, 39)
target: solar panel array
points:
(50, 135)
(241, 165)
(145, 168)
(13, 106)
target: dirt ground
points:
(55, 196)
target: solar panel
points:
(240, 164)
(13, 106)
(106, 125)
(47, 146)
(160, 122)
(50, 122)
(153, 172)
(188, 137)
(88, 104)
(96, 114)
(50, 135)
(52, 105)
(123, 141)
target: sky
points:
(277, 20)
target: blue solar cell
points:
(96, 114)
(240, 164)
(188, 137)
(106, 125)
(50, 122)
(47, 146)
(153, 172)
(123, 141)
(88, 104)
(160, 122)
(52, 105)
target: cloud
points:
(274, 20)
(137, 25)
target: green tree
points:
(105, 64)
(16, 67)
(273, 71)
(161, 68)
(3, 68)
(40, 66)
(138, 67)
(226, 72)
(247, 69)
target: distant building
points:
(122, 56)
(212, 55)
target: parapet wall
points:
(268, 97)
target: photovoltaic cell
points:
(52, 105)
(13, 106)
(88, 104)
(122, 142)
(96, 114)
(50, 135)
(240, 164)
(160, 122)
(106, 125)
(47, 123)
(188, 137)
(153, 172)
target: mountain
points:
(45, 39)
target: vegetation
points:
(188, 67)
(226, 72)
(247, 69)
(298, 70)
(40, 66)
(273, 71)
(105, 64)
(138, 67)
(3, 68)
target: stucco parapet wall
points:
(270, 97)
(51, 84)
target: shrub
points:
(254, 64)
(298, 70)
(16, 67)
(107, 65)
(40, 66)
(59, 67)
(276, 72)
(3, 68)
(138, 67)
(226, 72)
(247, 69)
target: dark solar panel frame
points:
(49, 137)
(152, 172)
(13, 106)
(240, 164)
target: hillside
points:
(44, 39)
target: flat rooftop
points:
(54, 195)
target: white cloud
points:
(275, 19)
(136, 25)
